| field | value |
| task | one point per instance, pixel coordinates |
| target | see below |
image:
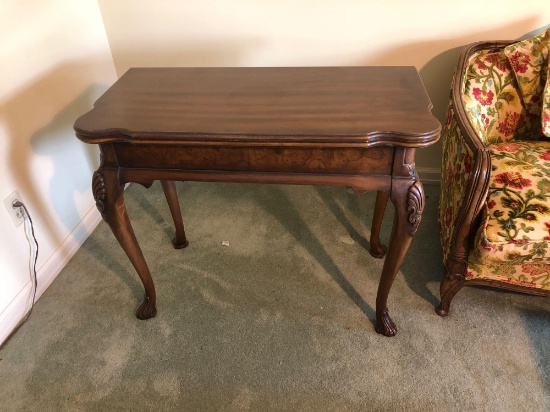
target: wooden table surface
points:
(368, 105)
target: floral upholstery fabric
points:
(493, 102)
(529, 63)
(457, 162)
(514, 239)
(512, 243)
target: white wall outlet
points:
(17, 214)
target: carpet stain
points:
(164, 328)
(244, 399)
(167, 384)
(112, 360)
(269, 317)
(208, 275)
(209, 297)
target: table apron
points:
(309, 160)
(359, 183)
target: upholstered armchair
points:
(494, 210)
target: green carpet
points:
(281, 319)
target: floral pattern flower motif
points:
(512, 121)
(496, 59)
(514, 180)
(520, 61)
(535, 269)
(482, 96)
(507, 147)
(480, 64)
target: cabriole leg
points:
(109, 196)
(408, 200)
(377, 249)
(169, 187)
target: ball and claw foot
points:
(384, 324)
(378, 251)
(179, 245)
(147, 310)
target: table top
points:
(367, 105)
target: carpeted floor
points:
(281, 319)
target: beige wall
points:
(55, 61)
(427, 34)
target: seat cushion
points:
(519, 192)
(513, 242)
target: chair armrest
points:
(466, 168)
(464, 185)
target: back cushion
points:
(529, 61)
(493, 103)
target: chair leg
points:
(169, 188)
(450, 285)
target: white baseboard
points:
(46, 274)
(429, 175)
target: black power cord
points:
(21, 205)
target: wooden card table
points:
(339, 126)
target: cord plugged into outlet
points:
(18, 206)
(19, 214)
(14, 205)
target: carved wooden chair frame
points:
(468, 218)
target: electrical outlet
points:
(16, 213)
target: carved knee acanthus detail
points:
(415, 205)
(98, 188)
